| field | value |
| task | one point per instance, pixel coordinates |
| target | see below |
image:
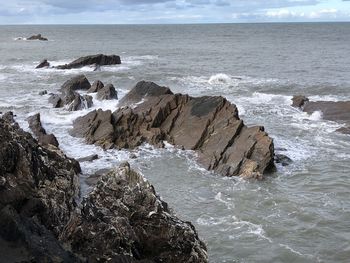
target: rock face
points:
(208, 125)
(39, 131)
(37, 192)
(96, 86)
(299, 101)
(43, 64)
(37, 37)
(338, 111)
(70, 98)
(122, 220)
(136, 223)
(108, 92)
(97, 60)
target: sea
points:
(301, 212)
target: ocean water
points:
(300, 213)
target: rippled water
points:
(301, 213)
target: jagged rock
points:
(283, 159)
(39, 132)
(89, 158)
(37, 195)
(299, 101)
(108, 92)
(44, 92)
(96, 86)
(97, 60)
(338, 111)
(44, 63)
(70, 98)
(208, 125)
(37, 37)
(124, 216)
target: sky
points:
(171, 11)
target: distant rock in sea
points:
(208, 125)
(37, 37)
(43, 64)
(338, 111)
(96, 60)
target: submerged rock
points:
(39, 131)
(37, 37)
(208, 125)
(338, 111)
(96, 60)
(283, 159)
(124, 216)
(43, 64)
(89, 158)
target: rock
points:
(44, 92)
(9, 117)
(133, 156)
(299, 101)
(108, 92)
(97, 60)
(283, 159)
(208, 125)
(338, 111)
(89, 158)
(43, 64)
(79, 82)
(70, 98)
(124, 216)
(96, 86)
(37, 37)
(38, 130)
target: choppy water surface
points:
(301, 213)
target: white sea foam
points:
(316, 116)
(219, 79)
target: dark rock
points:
(283, 159)
(38, 130)
(299, 101)
(93, 179)
(208, 125)
(345, 130)
(44, 92)
(9, 117)
(124, 216)
(89, 158)
(132, 156)
(43, 64)
(37, 37)
(79, 82)
(108, 92)
(97, 60)
(96, 86)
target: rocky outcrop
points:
(124, 215)
(96, 86)
(338, 111)
(208, 125)
(37, 37)
(108, 92)
(43, 64)
(39, 131)
(70, 98)
(37, 196)
(299, 101)
(96, 60)
(121, 220)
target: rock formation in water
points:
(96, 86)
(108, 92)
(208, 125)
(96, 60)
(121, 220)
(43, 64)
(338, 111)
(39, 131)
(70, 97)
(37, 37)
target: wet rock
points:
(9, 117)
(96, 86)
(97, 60)
(44, 92)
(299, 101)
(108, 92)
(124, 216)
(79, 82)
(132, 156)
(37, 37)
(40, 133)
(43, 64)
(208, 125)
(283, 159)
(89, 158)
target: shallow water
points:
(301, 213)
